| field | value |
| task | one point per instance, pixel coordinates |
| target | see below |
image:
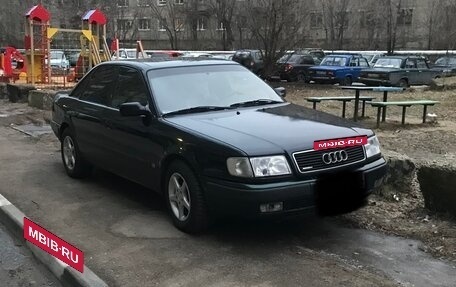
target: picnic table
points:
(344, 100)
(358, 89)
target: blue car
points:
(342, 69)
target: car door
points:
(411, 71)
(424, 73)
(86, 114)
(306, 62)
(132, 145)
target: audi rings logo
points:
(335, 157)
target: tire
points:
(75, 165)
(300, 78)
(185, 199)
(403, 83)
(347, 81)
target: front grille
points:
(309, 161)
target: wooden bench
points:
(344, 100)
(404, 105)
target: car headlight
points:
(372, 146)
(258, 166)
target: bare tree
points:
(336, 21)
(274, 24)
(170, 16)
(224, 12)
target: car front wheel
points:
(73, 162)
(185, 199)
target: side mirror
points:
(281, 91)
(133, 109)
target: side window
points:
(421, 64)
(100, 85)
(130, 88)
(354, 62)
(258, 56)
(307, 60)
(410, 64)
(363, 62)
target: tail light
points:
(288, 67)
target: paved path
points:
(128, 239)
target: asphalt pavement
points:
(128, 239)
(18, 267)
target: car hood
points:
(269, 130)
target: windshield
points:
(56, 55)
(334, 61)
(181, 88)
(388, 63)
(446, 61)
(284, 58)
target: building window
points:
(143, 3)
(124, 25)
(122, 3)
(144, 24)
(162, 25)
(161, 2)
(316, 20)
(179, 24)
(220, 26)
(242, 22)
(342, 19)
(201, 24)
(179, 2)
(404, 17)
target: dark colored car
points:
(343, 69)
(210, 144)
(293, 67)
(251, 59)
(401, 71)
(446, 66)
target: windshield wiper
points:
(198, 109)
(255, 103)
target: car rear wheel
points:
(74, 163)
(403, 83)
(347, 81)
(185, 199)
(300, 78)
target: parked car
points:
(196, 55)
(209, 144)
(343, 69)
(446, 66)
(401, 71)
(128, 54)
(293, 67)
(372, 57)
(251, 59)
(58, 60)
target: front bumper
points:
(324, 79)
(232, 198)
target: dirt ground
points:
(403, 215)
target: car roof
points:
(152, 64)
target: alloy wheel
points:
(69, 153)
(179, 196)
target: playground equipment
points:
(12, 64)
(94, 49)
(39, 34)
(37, 45)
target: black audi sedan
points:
(214, 139)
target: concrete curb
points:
(13, 219)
